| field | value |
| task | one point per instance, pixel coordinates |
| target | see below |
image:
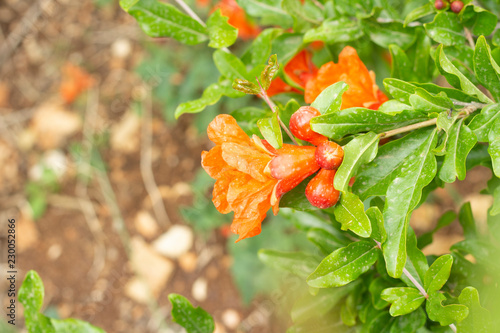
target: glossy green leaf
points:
(438, 273)
(74, 326)
(324, 240)
(423, 101)
(296, 198)
(446, 29)
(419, 12)
(159, 19)
(416, 262)
(385, 34)
(444, 314)
(483, 122)
(410, 323)
(271, 131)
(230, 66)
(303, 15)
(403, 300)
(355, 120)
(359, 151)
(297, 263)
(376, 288)
(330, 99)
(350, 212)
(478, 20)
(479, 319)
(494, 147)
(260, 50)
(374, 178)
(400, 90)
(460, 142)
(344, 265)
(221, 33)
(393, 106)
(377, 222)
(444, 122)
(211, 95)
(32, 292)
(269, 11)
(456, 78)
(401, 65)
(194, 320)
(335, 31)
(486, 69)
(403, 195)
(450, 92)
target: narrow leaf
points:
(486, 69)
(269, 71)
(344, 265)
(350, 212)
(230, 66)
(194, 320)
(271, 131)
(335, 31)
(438, 273)
(377, 223)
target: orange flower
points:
(362, 92)
(300, 69)
(238, 19)
(75, 81)
(251, 176)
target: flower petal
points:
(246, 159)
(225, 129)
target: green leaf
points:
(74, 326)
(194, 320)
(438, 273)
(450, 92)
(330, 99)
(410, 323)
(260, 50)
(482, 123)
(394, 106)
(403, 300)
(269, 11)
(375, 177)
(419, 12)
(423, 101)
(349, 311)
(286, 46)
(400, 90)
(479, 319)
(376, 288)
(269, 71)
(310, 306)
(344, 265)
(159, 19)
(446, 29)
(350, 212)
(384, 34)
(486, 69)
(355, 120)
(286, 113)
(460, 142)
(271, 131)
(444, 314)
(32, 292)
(478, 20)
(221, 33)
(416, 262)
(210, 96)
(401, 65)
(324, 240)
(494, 150)
(403, 195)
(357, 152)
(335, 31)
(456, 78)
(230, 66)
(444, 122)
(297, 263)
(302, 15)
(377, 222)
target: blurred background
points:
(105, 185)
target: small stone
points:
(121, 48)
(145, 224)
(125, 135)
(188, 262)
(175, 242)
(52, 125)
(231, 318)
(219, 328)
(54, 252)
(199, 289)
(137, 290)
(153, 268)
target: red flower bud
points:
(329, 155)
(320, 191)
(456, 6)
(301, 128)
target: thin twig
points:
(146, 163)
(274, 108)
(470, 39)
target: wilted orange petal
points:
(246, 159)
(213, 163)
(225, 129)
